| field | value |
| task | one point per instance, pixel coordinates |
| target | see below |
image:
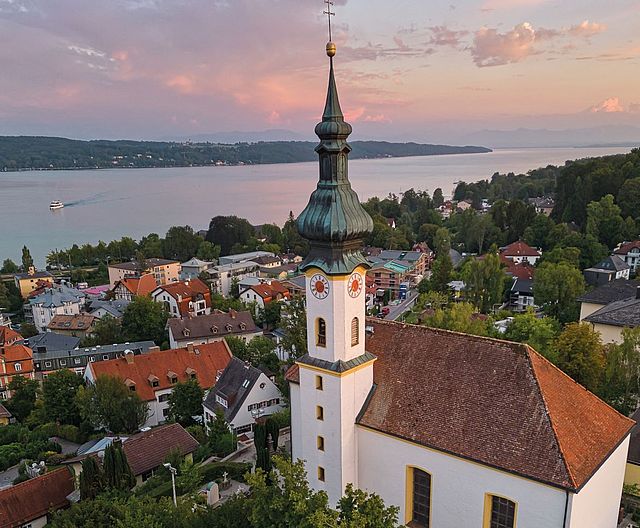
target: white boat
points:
(55, 204)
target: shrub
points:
(282, 418)
(197, 431)
(235, 470)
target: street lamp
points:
(173, 472)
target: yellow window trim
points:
(408, 494)
(487, 509)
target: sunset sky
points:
(407, 69)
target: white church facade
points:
(456, 430)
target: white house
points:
(192, 268)
(630, 253)
(184, 298)
(244, 393)
(455, 430)
(57, 300)
(211, 328)
(520, 252)
(263, 294)
(223, 277)
(153, 376)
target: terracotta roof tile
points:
(34, 498)
(270, 291)
(207, 360)
(143, 285)
(491, 401)
(8, 336)
(626, 247)
(79, 322)
(148, 450)
(519, 249)
(293, 374)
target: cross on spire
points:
(329, 14)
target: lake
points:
(108, 204)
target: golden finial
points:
(331, 47)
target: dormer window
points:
(186, 332)
(173, 377)
(243, 326)
(214, 329)
(228, 327)
(191, 373)
(154, 381)
(130, 384)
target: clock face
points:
(355, 284)
(319, 286)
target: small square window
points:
(320, 473)
(320, 443)
(319, 412)
(319, 382)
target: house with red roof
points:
(264, 293)
(520, 252)
(8, 336)
(184, 298)
(128, 288)
(630, 253)
(15, 360)
(152, 376)
(31, 503)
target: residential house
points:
(31, 280)
(77, 325)
(211, 328)
(5, 416)
(263, 294)
(389, 276)
(5, 320)
(417, 261)
(267, 261)
(280, 272)
(15, 360)
(463, 205)
(164, 271)
(31, 503)
(184, 298)
(610, 320)
(290, 258)
(60, 299)
(610, 269)
(192, 268)
(243, 257)
(295, 285)
(244, 393)
(101, 308)
(630, 253)
(51, 342)
(225, 276)
(153, 376)
(605, 294)
(146, 451)
(521, 296)
(129, 288)
(8, 336)
(544, 205)
(77, 359)
(520, 252)
(277, 336)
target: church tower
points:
(336, 375)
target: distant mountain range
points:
(51, 153)
(604, 135)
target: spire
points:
(334, 221)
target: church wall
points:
(598, 501)
(458, 487)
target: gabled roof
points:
(51, 342)
(148, 450)
(57, 296)
(215, 324)
(615, 290)
(8, 336)
(625, 313)
(493, 402)
(267, 292)
(626, 247)
(519, 249)
(143, 285)
(16, 353)
(115, 307)
(34, 498)
(77, 322)
(522, 271)
(196, 263)
(612, 263)
(184, 289)
(207, 360)
(4, 412)
(234, 386)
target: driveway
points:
(395, 312)
(8, 476)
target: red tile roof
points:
(207, 360)
(34, 498)
(519, 249)
(77, 322)
(626, 247)
(185, 292)
(148, 450)
(8, 336)
(143, 285)
(268, 292)
(293, 373)
(10, 355)
(519, 271)
(494, 402)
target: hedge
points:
(235, 470)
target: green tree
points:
(145, 319)
(108, 403)
(294, 324)
(59, 390)
(580, 354)
(621, 387)
(261, 351)
(116, 469)
(28, 330)
(604, 221)
(151, 246)
(9, 266)
(556, 288)
(629, 197)
(185, 402)
(570, 255)
(27, 260)
(292, 241)
(538, 332)
(537, 232)
(270, 315)
(5, 301)
(484, 281)
(208, 252)
(91, 479)
(358, 508)
(438, 197)
(222, 441)
(23, 397)
(181, 243)
(238, 347)
(460, 317)
(106, 331)
(227, 231)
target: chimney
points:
(128, 355)
(32, 270)
(190, 348)
(233, 313)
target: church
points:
(458, 431)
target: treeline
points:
(34, 152)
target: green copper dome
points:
(334, 221)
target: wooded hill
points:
(33, 152)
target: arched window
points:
(321, 332)
(355, 331)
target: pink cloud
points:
(491, 48)
(378, 118)
(610, 105)
(181, 83)
(509, 4)
(444, 36)
(586, 29)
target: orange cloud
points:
(586, 29)
(181, 83)
(610, 105)
(491, 48)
